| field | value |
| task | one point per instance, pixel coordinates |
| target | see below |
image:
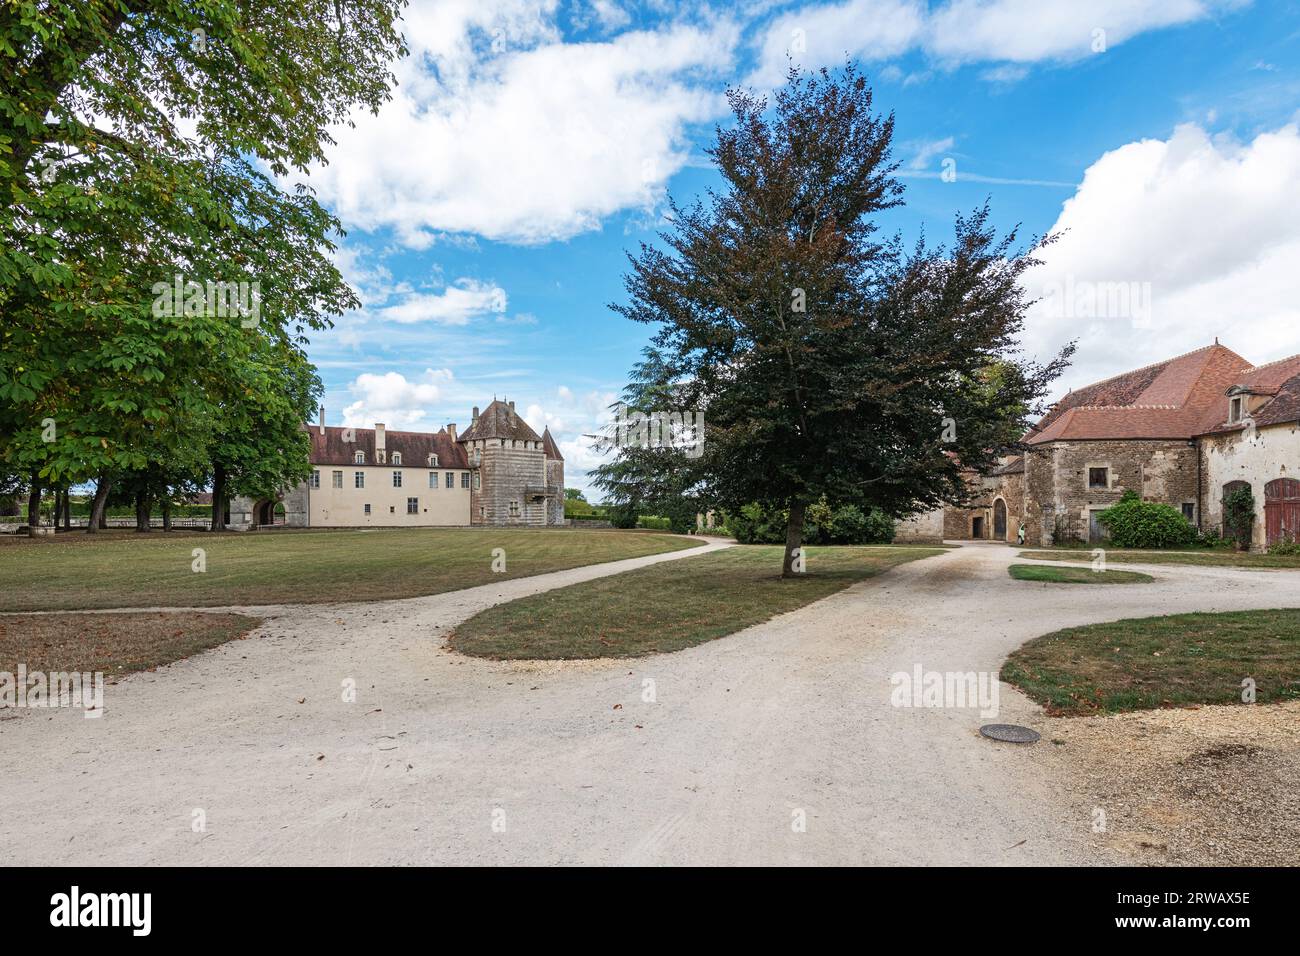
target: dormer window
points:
(1235, 410)
(433, 461)
(359, 458)
(397, 458)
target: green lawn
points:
(1051, 575)
(124, 569)
(667, 607)
(1230, 559)
(1176, 660)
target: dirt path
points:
(446, 759)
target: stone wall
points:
(926, 528)
(504, 474)
(1058, 496)
(1274, 453)
(555, 478)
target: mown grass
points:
(113, 644)
(1069, 575)
(670, 606)
(1171, 661)
(79, 571)
(1228, 559)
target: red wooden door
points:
(1282, 510)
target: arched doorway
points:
(1244, 533)
(268, 512)
(1281, 510)
(999, 520)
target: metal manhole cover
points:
(1010, 733)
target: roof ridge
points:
(1256, 368)
(1151, 365)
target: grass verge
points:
(1051, 575)
(1171, 661)
(1226, 559)
(667, 607)
(114, 644)
(79, 571)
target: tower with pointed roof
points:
(518, 474)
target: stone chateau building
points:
(499, 472)
(1185, 432)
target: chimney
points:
(322, 419)
(512, 405)
(379, 440)
(451, 430)
(474, 417)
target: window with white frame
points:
(433, 461)
(433, 480)
(397, 458)
(464, 479)
(412, 506)
(338, 479)
(514, 509)
(358, 479)
(451, 479)
(359, 458)
(397, 479)
(315, 478)
(367, 508)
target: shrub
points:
(1134, 523)
(654, 522)
(847, 524)
(1239, 514)
(1288, 545)
(622, 516)
(752, 525)
(575, 507)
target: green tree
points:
(825, 361)
(138, 144)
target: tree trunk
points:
(67, 509)
(166, 505)
(143, 511)
(218, 498)
(793, 539)
(99, 505)
(34, 506)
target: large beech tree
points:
(140, 141)
(825, 360)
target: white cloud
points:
(1211, 224)
(396, 401)
(822, 34)
(461, 301)
(499, 129)
(966, 31)
(927, 151)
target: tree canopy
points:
(140, 145)
(826, 361)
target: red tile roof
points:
(1175, 399)
(334, 447)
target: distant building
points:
(1183, 432)
(499, 472)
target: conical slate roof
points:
(499, 420)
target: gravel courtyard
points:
(776, 745)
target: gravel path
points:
(448, 759)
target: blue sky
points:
(531, 143)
